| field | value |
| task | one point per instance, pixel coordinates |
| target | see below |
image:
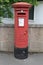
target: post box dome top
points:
(21, 4)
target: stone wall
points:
(35, 38)
(6, 38)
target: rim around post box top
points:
(21, 4)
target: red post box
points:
(21, 29)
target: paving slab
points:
(9, 59)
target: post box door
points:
(21, 32)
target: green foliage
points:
(34, 2)
(5, 6)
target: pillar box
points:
(21, 10)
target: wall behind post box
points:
(35, 39)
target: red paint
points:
(21, 32)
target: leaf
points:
(6, 0)
(1, 0)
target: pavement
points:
(9, 59)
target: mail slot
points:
(21, 29)
(21, 13)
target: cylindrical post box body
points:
(21, 29)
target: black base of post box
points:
(21, 53)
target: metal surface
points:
(21, 24)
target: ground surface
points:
(9, 59)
